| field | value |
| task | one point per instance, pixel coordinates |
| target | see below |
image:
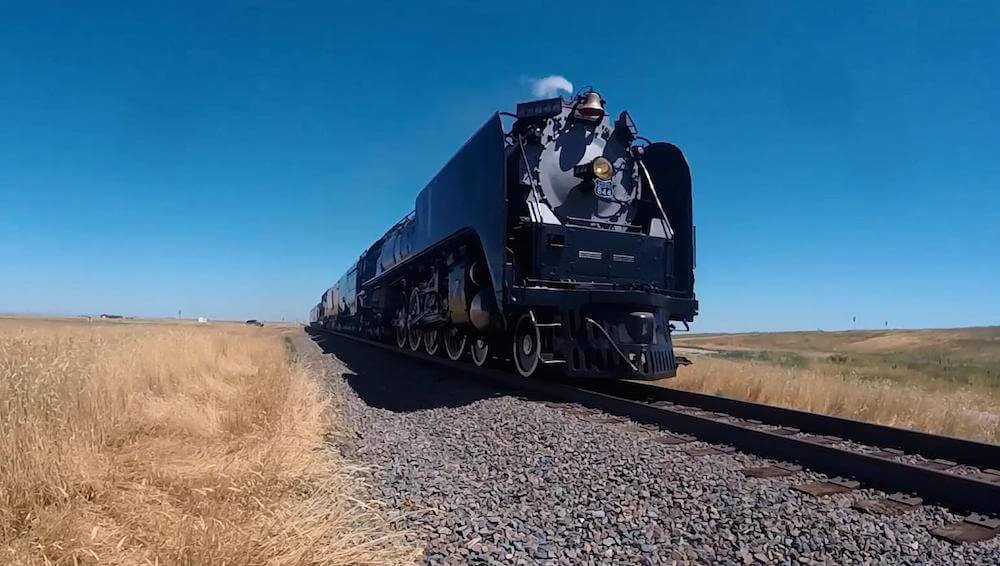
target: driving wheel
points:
(454, 343)
(480, 351)
(414, 335)
(527, 342)
(432, 340)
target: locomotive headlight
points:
(602, 168)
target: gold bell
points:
(592, 105)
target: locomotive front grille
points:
(607, 362)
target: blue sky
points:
(231, 159)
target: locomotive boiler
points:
(564, 242)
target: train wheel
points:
(399, 327)
(454, 343)
(527, 344)
(432, 341)
(414, 337)
(480, 351)
(414, 334)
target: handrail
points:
(656, 197)
(613, 343)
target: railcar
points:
(565, 242)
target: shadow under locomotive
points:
(390, 381)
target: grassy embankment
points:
(170, 444)
(941, 381)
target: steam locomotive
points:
(564, 243)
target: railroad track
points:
(913, 467)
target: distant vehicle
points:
(254, 322)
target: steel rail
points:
(960, 450)
(959, 493)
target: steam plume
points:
(550, 86)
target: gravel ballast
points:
(481, 476)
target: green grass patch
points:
(929, 367)
(778, 358)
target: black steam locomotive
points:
(565, 242)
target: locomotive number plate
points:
(604, 190)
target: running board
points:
(550, 361)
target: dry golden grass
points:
(945, 381)
(958, 411)
(158, 444)
(979, 345)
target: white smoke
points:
(550, 86)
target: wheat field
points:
(943, 382)
(170, 444)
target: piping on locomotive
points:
(566, 242)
